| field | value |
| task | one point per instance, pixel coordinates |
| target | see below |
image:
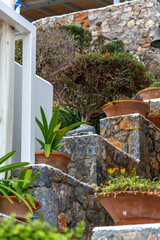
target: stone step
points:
(128, 232)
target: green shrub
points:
(94, 79)
(81, 35)
(36, 230)
(115, 46)
(68, 116)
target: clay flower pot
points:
(55, 159)
(155, 119)
(131, 207)
(125, 107)
(18, 208)
(150, 93)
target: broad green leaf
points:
(32, 180)
(27, 176)
(21, 177)
(47, 149)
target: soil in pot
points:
(150, 93)
(132, 207)
(124, 107)
(56, 159)
(18, 208)
(155, 119)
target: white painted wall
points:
(44, 98)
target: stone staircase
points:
(129, 141)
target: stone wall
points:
(91, 156)
(138, 137)
(133, 22)
(70, 200)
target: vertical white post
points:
(7, 46)
(28, 98)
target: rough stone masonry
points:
(133, 22)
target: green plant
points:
(36, 230)
(94, 79)
(155, 83)
(17, 187)
(52, 133)
(122, 181)
(68, 115)
(115, 46)
(81, 35)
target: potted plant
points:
(152, 92)
(52, 135)
(14, 197)
(130, 199)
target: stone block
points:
(130, 232)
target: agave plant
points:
(52, 133)
(17, 187)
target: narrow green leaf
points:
(40, 125)
(30, 199)
(18, 195)
(54, 119)
(6, 157)
(27, 176)
(45, 124)
(41, 143)
(32, 180)
(5, 194)
(13, 166)
(21, 177)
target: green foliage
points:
(81, 35)
(52, 133)
(122, 181)
(37, 230)
(155, 83)
(94, 79)
(18, 51)
(17, 187)
(68, 116)
(115, 46)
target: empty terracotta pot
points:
(18, 208)
(131, 207)
(150, 93)
(55, 159)
(125, 107)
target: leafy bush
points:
(94, 79)
(81, 35)
(115, 46)
(36, 230)
(68, 116)
(155, 83)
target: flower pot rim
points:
(54, 153)
(124, 101)
(126, 193)
(38, 204)
(148, 89)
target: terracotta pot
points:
(18, 208)
(125, 107)
(155, 119)
(132, 207)
(150, 93)
(56, 159)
